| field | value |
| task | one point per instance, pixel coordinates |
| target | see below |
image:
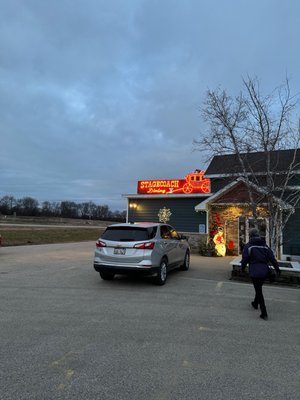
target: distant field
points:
(77, 230)
(29, 236)
(9, 219)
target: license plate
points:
(119, 251)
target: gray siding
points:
(291, 235)
(184, 218)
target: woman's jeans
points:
(259, 298)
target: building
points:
(176, 197)
(201, 203)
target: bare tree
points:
(253, 122)
(27, 206)
(6, 204)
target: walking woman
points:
(258, 255)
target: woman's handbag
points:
(271, 275)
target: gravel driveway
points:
(66, 334)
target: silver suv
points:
(149, 248)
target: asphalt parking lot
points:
(66, 334)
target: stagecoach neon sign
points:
(192, 183)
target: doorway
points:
(248, 223)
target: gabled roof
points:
(255, 162)
(238, 197)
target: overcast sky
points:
(97, 94)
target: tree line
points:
(28, 206)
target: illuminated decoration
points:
(164, 215)
(192, 183)
(220, 243)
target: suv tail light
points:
(99, 243)
(145, 246)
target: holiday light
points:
(193, 183)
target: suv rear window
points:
(129, 234)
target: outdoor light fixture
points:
(133, 205)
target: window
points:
(129, 234)
(165, 232)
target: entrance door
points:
(246, 224)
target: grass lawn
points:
(16, 236)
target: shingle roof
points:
(255, 162)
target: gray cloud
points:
(95, 95)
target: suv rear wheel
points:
(162, 273)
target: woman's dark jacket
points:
(258, 255)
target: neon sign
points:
(192, 183)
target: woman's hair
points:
(253, 233)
